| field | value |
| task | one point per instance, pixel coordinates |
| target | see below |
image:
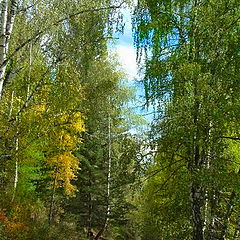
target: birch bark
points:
(207, 212)
(109, 169)
(16, 149)
(16, 169)
(7, 21)
(4, 13)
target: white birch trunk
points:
(16, 171)
(4, 14)
(207, 166)
(206, 205)
(108, 180)
(16, 168)
(205, 215)
(7, 22)
(109, 169)
(16, 149)
(212, 220)
(29, 74)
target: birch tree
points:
(8, 13)
(48, 97)
(186, 50)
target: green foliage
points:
(187, 47)
(59, 80)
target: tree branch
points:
(232, 138)
(38, 34)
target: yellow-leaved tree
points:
(62, 162)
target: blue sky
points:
(125, 48)
(126, 52)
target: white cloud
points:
(127, 58)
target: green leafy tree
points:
(187, 46)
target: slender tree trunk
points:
(16, 171)
(16, 149)
(108, 181)
(109, 169)
(206, 206)
(89, 221)
(50, 214)
(196, 189)
(227, 216)
(196, 212)
(7, 22)
(207, 209)
(212, 220)
(4, 14)
(29, 74)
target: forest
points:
(77, 162)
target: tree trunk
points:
(4, 13)
(108, 181)
(109, 169)
(196, 212)
(207, 165)
(89, 221)
(227, 216)
(16, 150)
(7, 22)
(50, 214)
(213, 203)
(16, 172)
(197, 163)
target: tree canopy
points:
(71, 166)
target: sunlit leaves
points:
(190, 72)
(64, 167)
